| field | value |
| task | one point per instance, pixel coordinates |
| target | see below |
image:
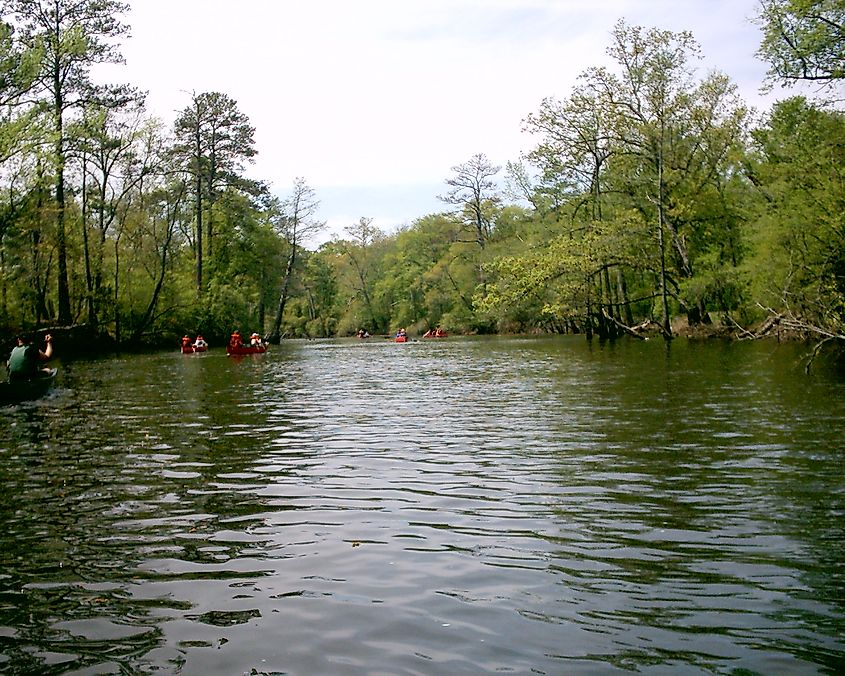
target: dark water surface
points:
(457, 507)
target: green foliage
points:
(645, 138)
(557, 281)
(213, 141)
(643, 197)
(798, 231)
(803, 40)
(69, 37)
(320, 291)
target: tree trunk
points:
(4, 289)
(116, 281)
(611, 304)
(35, 243)
(89, 280)
(198, 241)
(661, 239)
(275, 333)
(262, 310)
(622, 291)
(64, 318)
(212, 178)
(147, 318)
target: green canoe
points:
(26, 390)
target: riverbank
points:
(82, 340)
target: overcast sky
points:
(373, 101)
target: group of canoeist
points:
(239, 346)
(402, 335)
(236, 340)
(198, 344)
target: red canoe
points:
(245, 349)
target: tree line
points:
(651, 199)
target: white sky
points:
(373, 101)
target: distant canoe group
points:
(237, 344)
(402, 335)
(197, 345)
(256, 345)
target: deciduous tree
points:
(674, 138)
(798, 261)
(472, 191)
(70, 36)
(803, 40)
(295, 225)
(115, 150)
(359, 252)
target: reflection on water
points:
(452, 507)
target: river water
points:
(462, 506)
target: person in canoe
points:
(255, 340)
(235, 340)
(186, 344)
(199, 343)
(25, 360)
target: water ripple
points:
(464, 506)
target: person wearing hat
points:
(24, 361)
(255, 340)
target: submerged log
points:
(635, 331)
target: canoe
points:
(190, 349)
(27, 390)
(245, 349)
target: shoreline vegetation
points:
(82, 341)
(651, 202)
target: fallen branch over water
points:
(791, 323)
(635, 331)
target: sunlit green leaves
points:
(803, 40)
(799, 230)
